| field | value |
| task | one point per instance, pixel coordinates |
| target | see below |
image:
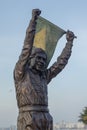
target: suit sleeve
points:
(61, 62)
(26, 51)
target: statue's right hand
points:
(35, 13)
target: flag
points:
(47, 36)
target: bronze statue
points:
(31, 78)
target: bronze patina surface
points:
(31, 77)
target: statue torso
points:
(32, 90)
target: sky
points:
(67, 92)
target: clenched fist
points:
(35, 13)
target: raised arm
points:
(62, 60)
(27, 47)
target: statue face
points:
(38, 62)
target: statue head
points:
(38, 59)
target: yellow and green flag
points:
(47, 36)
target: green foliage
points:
(83, 116)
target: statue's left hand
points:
(70, 36)
(35, 13)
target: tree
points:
(83, 116)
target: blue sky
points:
(68, 91)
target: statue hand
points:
(70, 36)
(35, 13)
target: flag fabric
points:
(47, 36)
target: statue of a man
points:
(32, 77)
